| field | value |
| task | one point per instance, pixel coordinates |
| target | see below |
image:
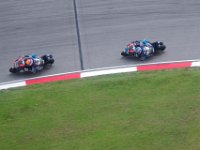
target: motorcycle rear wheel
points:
(51, 61)
(161, 47)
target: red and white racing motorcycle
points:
(39, 63)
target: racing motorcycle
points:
(144, 51)
(39, 63)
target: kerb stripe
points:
(164, 66)
(53, 78)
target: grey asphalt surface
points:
(38, 26)
(48, 26)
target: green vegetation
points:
(135, 111)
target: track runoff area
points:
(101, 71)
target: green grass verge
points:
(135, 111)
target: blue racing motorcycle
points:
(143, 49)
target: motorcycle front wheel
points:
(124, 54)
(13, 70)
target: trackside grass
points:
(135, 111)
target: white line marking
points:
(12, 85)
(105, 72)
(195, 64)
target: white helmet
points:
(37, 61)
(146, 50)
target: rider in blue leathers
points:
(146, 46)
(34, 63)
(139, 47)
(144, 42)
(138, 51)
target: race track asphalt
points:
(48, 26)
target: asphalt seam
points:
(78, 36)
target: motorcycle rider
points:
(146, 46)
(29, 63)
(138, 47)
(33, 63)
(138, 51)
(145, 42)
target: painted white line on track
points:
(105, 72)
(196, 64)
(12, 85)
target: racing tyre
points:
(161, 47)
(51, 61)
(124, 54)
(13, 70)
(48, 59)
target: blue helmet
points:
(145, 42)
(34, 55)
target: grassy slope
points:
(137, 111)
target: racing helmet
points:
(146, 50)
(37, 61)
(29, 62)
(34, 55)
(145, 42)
